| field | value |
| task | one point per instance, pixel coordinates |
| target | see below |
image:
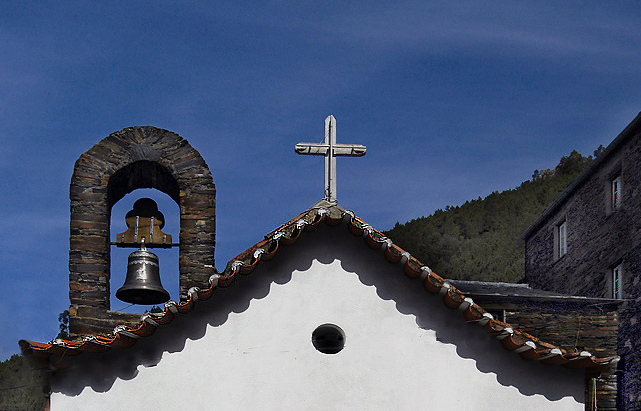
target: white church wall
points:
(249, 348)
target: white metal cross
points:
(330, 150)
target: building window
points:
(562, 235)
(613, 192)
(560, 239)
(615, 186)
(617, 282)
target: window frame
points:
(616, 278)
(560, 239)
(563, 238)
(613, 190)
(616, 190)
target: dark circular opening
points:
(328, 338)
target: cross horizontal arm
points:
(349, 150)
(312, 148)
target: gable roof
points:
(628, 132)
(519, 342)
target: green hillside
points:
(478, 240)
(21, 386)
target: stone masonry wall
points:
(593, 237)
(597, 240)
(136, 157)
(629, 344)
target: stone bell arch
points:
(133, 158)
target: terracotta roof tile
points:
(525, 345)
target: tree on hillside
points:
(22, 386)
(478, 240)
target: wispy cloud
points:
(547, 30)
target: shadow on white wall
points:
(100, 371)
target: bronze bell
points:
(142, 285)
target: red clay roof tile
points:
(527, 346)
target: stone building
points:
(588, 242)
(323, 313)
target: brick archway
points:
(133, 158)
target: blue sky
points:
(452, 100)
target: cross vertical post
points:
(330, 149)
(330, 160)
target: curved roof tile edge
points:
(525, 345)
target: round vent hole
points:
(328, 339)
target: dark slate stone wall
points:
(629, 347)
(596, 241)
(136, 157)
(589, 327)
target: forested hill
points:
(478, 240)
(22, 387)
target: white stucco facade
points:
(249, 348)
